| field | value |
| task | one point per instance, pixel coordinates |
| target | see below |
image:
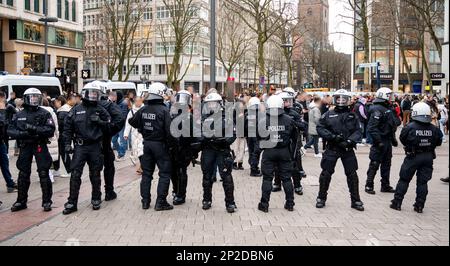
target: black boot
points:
(387, 189)
(179, 200)
(418, 208)
(240, 166)
(370, 190)
(299, 191)
(69, 208)
(264, 207)
(47, 207)
(358, 205)
(110, 195)
(235, 166)
(255, 173)
(163, 206)
(445, 180)
(18, 207)
(231, 208)
(395, 205)
(320, 203)
(206, 205)
(96, 204)
(145, 204)
(289, 206)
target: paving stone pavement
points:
(123, 222)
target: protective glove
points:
(31, 128)
(394, 142)
(95, 118)
(338, 139)
(379, 145)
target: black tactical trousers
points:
(296, 173)
(44, 162)
(328, 164)
(92, 155)
(64, 156)
(156, 153)
(380, 158)
(180, 163)
(224, 161)
(254, 153)
(277, 160)
(422, 165)
(109, 158)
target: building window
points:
(162, 12)
(148, 13)
(74, 11)
(135, 70)
(161, 69)
(147, 49)
(27, 5)
(66, 7)
(146, 69)
(36, 6)
(34, 62)
(59, 8)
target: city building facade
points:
(394, 55)
(151, 64)
(23, 37)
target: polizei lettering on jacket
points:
(424, 133)
(148, 116)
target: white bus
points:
(20, 83)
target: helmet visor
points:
(92, 95)
(341, 100)
(288, 103)
(33, 99)
(184, 98)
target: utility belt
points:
(411, 152)
(23, 143)
(85, 142)
(336, 148)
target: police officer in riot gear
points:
(187, 146)
(341, 129)
(382, 127)
(85, 126)
(277, 156)
(251, 121)
(420, 139)
(295, 148)
(153, 122)
(216, 151)
(116, 124)
(32, 127)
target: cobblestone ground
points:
(123, 222)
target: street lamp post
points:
(289, 47)
(203, 60)
(213, 45)
(47, 20)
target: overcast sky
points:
(342, 42)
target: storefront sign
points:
(437, 76)
(85, 74)
(59, 72)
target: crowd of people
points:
(86, 128)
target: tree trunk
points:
(405, 64)
(261, 60)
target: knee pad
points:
(325, 176)
(374, 164)
(43, 175)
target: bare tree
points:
(178, 40)
(123, 36)
(431, 14)
(233, 40)
(263, 18)
(290, 33)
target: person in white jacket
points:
(53, 146)
(137, 141)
